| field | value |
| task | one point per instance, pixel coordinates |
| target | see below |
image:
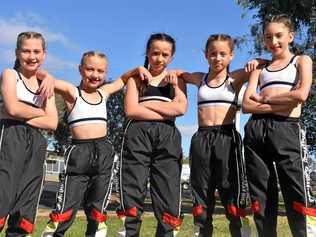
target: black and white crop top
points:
(84, 112)
(160, 93)
(286, 77)
(24, 94)
(222, 95)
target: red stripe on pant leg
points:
(299, 207)
(120, 214)
(26, 226)
(197, 210)
(235, 211)
(98, 216)
(60, 217)
(132, 212)
(175, 222)
(2, 221)
(255, 207)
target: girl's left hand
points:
(254, 63)
(260, 99)
(46, 88)
(172, 78)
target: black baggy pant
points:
(217, 163)
(151, 150)
(86, 180)
(274, 151)
(22, 156)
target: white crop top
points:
(84, 112)
(222, 95)
(24, 94)
(285, 77)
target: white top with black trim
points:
(222, 95)
(160, 93)
(24, 94)
(286, 77)
(84, 112)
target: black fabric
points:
(216, 163)
(86, 180)
(151, 150)
(22, 156)
(273, 151)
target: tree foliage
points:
(116, 119)
(303, 15)
(62, 133)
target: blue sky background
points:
(121, 28)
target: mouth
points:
(94, 81)
(32, 63)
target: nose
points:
(218, 57)
(160, 58)
(274, 40)
(94, 74)
(31, 55)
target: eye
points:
(37, 51)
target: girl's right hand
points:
(46, 88)
(254, 63)
(144, 74)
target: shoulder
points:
(9, 75)
(9, 72)
(303, 59)
(103, 92)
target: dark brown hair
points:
(162, 37)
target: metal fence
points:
(54, 165)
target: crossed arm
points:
(154, 110)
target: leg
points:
(23, 214)
(203, 182)
(99, 191)
(134, 170)
(293, 176)
(72, 187)
(230, 178)
(261, 178)
(165, 181)
(11, 165)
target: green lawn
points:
(148, 227)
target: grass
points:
(149, 223)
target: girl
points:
(88, 160)
(152, 143)
(273, 136)
(22, 146)
(215, 152)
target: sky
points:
(120, 29)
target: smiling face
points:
(277, 38)
(30, 54)
(219, 55)
(159, 56)
(93, 70)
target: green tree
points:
(116, 119)
(62, 133)
(303, 15)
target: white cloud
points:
(187, 130)
(53, 63)
(11, 27)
